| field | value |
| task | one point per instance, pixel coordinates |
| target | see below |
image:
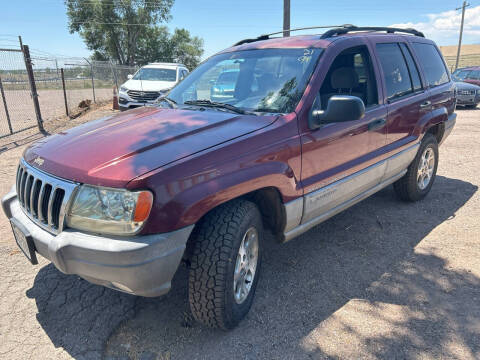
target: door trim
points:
(321, 204)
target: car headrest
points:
(344, 78)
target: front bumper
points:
(128, 104)
(472, 99)
(139, 265)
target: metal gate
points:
(18, 110)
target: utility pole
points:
(286, 18)
(461, 32)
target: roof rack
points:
(337, 30)
(267, 36)
(390, 30)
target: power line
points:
(109, 23)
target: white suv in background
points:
(149, 83)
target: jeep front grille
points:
(143, 96)
(43, 198)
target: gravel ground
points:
(383, 279)
(52, 105)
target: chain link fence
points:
(16, 105)
(35, 89)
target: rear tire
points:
(225, 258)
(418, 180)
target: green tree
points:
(161, 46)
(128, 32)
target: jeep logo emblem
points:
(39, 161)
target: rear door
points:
(405, 94)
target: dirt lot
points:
(384, 279)
(52, 105)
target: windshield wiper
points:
(171, 102)
(216, 104)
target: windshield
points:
(267, 80)
(460, 74)
(153, 74)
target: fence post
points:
(33, 87)
(64, 91)
(5, 106)
(93, 83)
(114, 75)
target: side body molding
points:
(314, 208)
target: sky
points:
(43, 23)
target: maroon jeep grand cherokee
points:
(314, 125)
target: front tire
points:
(225, 258)
(418, 180)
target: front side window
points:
(265, 80)
(155, 74)
(351, 73)
(432, 63)
(395, 71)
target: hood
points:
(466, 86)
(147, 85)
(114, 150)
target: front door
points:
(335, 156)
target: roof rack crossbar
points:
(390, 30)
(267, 36)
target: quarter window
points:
(433, 65)
(395, 71)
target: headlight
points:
(123, 89)
(109, 211)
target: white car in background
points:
(149, 83)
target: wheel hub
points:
(246, 265)
(425, 168)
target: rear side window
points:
(395, 71)
(412, 68)
(432, 63)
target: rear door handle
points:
(376, 124)
(426, 104)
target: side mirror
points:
(129, 76)
(340, 108)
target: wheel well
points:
(437, 131)
(269, 202)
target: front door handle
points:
(426, 104)
(376, 124)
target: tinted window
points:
(395, 71)
(227, 78)
(432, 63)
(412, 67)
(351, 73)
(475, 75)
(461, 74)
